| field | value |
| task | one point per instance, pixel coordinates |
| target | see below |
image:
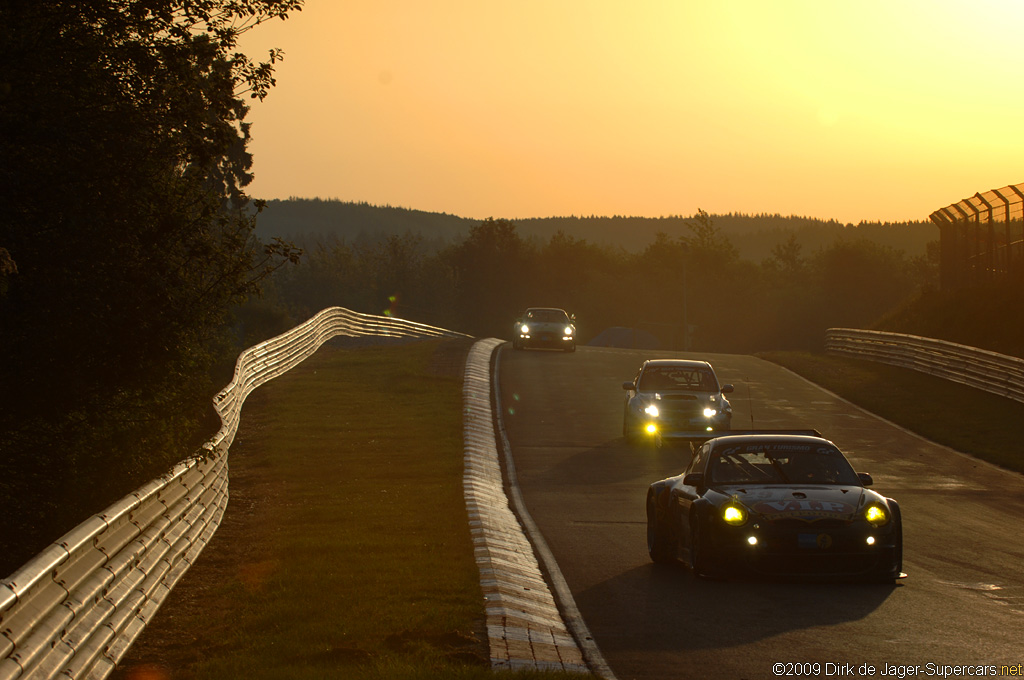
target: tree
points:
(859, 280)
(491, 276)
(123, 164)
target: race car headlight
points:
(651, 410)
(876, 515)
(524, 328)
(734, 514)
(568, 330)
(710, 413)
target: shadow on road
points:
(664, 607)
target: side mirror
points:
(572, 317)
(865, 479)
(627, 385)
(694, 479)
(727, 389)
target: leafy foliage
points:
(123, 214)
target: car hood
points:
(553, 326)
(669, 395)
(807, 503)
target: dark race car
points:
(678, 399)
(545, 327)
(774, 505)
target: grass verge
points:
(357, 560)
(984, 425)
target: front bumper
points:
(794, 548)
(546, 339)
(693, 429)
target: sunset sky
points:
(872, 110)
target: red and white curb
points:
(525, 628)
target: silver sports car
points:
(545, 327)
(675, 399)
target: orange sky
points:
(872, 110)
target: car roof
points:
(677, 363)
(774, 438)
(545, 309)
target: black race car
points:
(778, 505)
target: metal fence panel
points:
(989, 371)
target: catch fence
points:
(981, 237)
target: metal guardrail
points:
(989, 371)
(73, 610)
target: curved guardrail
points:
(989, 371)
(73, 610)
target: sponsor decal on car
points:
(806, 510)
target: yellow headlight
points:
(876, 515)
(734, 514)
(651, 428)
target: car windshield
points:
(547, 315)
(664, 378)
(781, 463)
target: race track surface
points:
(962, 603)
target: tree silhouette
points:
(124, 162)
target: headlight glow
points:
(652, 411)
(524, 328)
(876, 515)
(568, 330)
(709, 413)
(651, 428)
(734, 514)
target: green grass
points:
(367, 569)
(969, 420)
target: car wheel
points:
(897, 517)
(895, 570)
(660, 545)
(517, 344)
(698, 548)
(629, 429)
(571, 348)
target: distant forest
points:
(716, 283)
(307, 221)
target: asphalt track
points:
(962, 603)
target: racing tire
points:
(630, 431)
(895, 572)
(660, 546)
(516, 344)
(898, 519)
(641, 441)
(698, 548)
